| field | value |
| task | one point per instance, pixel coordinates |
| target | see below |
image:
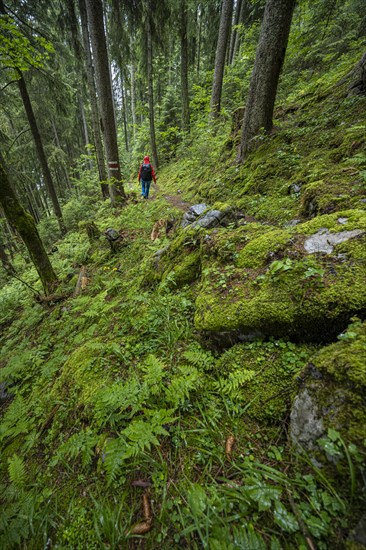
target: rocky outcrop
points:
(332, 392)
(298, 282)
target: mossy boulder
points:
(279, 289)
(267, 372)
(332, 393)
(177, 264)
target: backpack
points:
(146, 172)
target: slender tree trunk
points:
(151, 92)
(234, 31)
(6, 263)
(104, 88)
(199, 41)
(225, 23)
(62, 164)
(242, 15)
(40, 152)
(124, 108)
(93, 100)
(269, 59)
(184, 65)
(26, 227)
(133, 96)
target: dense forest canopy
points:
(187, 370)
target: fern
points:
(16, 470)
(181, 386)
(80, 444)
(117, 401)
(248, 539)
(114, 455)
(138, 437)
(16, 420)
(199, 358)
(154, 372)
(230, 384)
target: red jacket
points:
(147, 161)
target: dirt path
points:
(174, 200)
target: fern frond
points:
(79, 444)
(199, 358)
(188, 379)
(114, 455)
(16, 470)
(230, 384)
(113, 401)
(16, 419)
(154, 372)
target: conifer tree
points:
(270, 55)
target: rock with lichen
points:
(280, 287)
(332, 392)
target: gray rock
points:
(295, 187)
(111, 234)
(193, 213)
(323, 241)
(342, 220)
(198, 209)
(306, 424)
(292, 223)
(211, 219)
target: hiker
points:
(146, 174)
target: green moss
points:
(283, 290)
(186, 271)
(256, 253)
(341, 390)
(276, 364)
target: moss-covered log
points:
(26, 227)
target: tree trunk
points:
(40, 152)
(154, 150)
(93, 100)
(104, 89)
(199, 40)
(6, 263)
(270, 55)
(133, 95)
(124, 108)
(26, 227)
(242, 15)
(184, 66)
(234, 31)
(225, 23)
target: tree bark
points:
(93, 100)
(6, 263)
(133, 95)
(104, 89)
(40, 152)
(26, 227)
(225, 23)
(151, 92)
(234, 31)
(269, 59)
(184, 66)
(124, 108)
